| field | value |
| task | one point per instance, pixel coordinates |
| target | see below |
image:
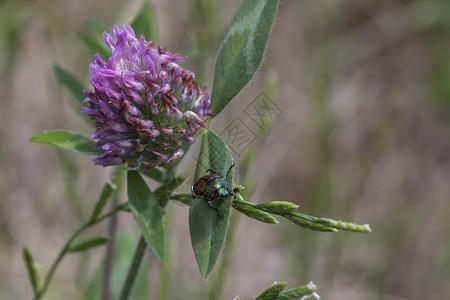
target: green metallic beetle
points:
(212, 187)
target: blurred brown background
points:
(363, 88)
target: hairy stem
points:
(134, 269)
(112, 229)
(167, 270)
(109, 257)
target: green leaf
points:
(98, 29)
(155, 174)
(101, 202)
(67, 140)
(75, 88)
(70, 82)
(272, 292)
(145, 23)
(88, 244)
(94, 46)
(242, 50)
(207, 230)
(163, 193)
(32, 270)
(146, 213)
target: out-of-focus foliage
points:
(363, 87)
(124, 247)
(12, 18)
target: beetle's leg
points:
(228, 172)
(232, 193)
(215, 208)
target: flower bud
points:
(277, 207)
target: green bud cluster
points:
(275, 291)
(252, 212)
(237, 188)
(272, 292)
(300, 292)
(277, 207)
(262, 212)
(345, 225)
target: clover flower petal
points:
(146, 107)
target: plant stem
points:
(109, 257)
(63, 251)
(112, 229)
(165, 277)
(58, 260)
(134, 269)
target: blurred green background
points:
(364, 136)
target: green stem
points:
(134, 269)
(165, 277)
(112, 229)
(120, 207)
(58, 260)
(64, 250)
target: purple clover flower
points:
(146, 107)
